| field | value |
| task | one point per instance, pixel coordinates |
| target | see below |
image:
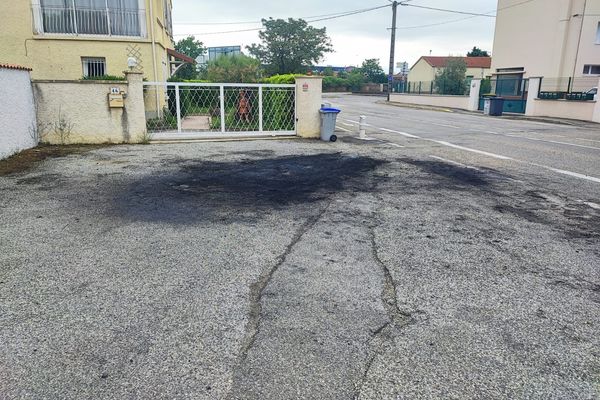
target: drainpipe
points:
(579, 40)
(159, 111)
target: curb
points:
(511, 116)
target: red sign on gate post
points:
(305, 87)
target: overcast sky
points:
(354, 38)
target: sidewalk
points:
(514, 116)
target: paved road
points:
(398, 268)
(566, 155)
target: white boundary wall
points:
(461, 102)
(17, 112)
(579, 110)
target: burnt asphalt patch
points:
(198, 190)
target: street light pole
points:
(392, 50)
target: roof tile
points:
(472, 62)
(14, 66)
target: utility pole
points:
(392, 50)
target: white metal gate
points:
(211, 110)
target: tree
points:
(356, 79)
(452, 79)
(328, 72)
(191, 48)
(373, 71)
(234, 69)
(477, 52)
(290, 46)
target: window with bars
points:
(93, 67)
(591, 69)
(91, 17)
(168, 17)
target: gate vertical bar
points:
(178, 105)
(222, 105)
(260, 108)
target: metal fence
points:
(442, 87)
(512, 90)
(568, 88)
(234, 109)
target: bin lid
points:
(325, 110)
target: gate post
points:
(309, 96)
(474, 95)
(535, 84)
(135, 107)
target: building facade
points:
(427, 67)
(72, 39)
(549, 38)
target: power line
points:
(260, 22)
(449, 11)
(464, 19)
(332, 16)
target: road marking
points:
(408, 135)
(485, 153)
(343, 129)
(395, 145)
(569, 173)
(356, 122)
(498, 156)
(344, 123)
(454, 163)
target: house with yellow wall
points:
(71, 39)
(427, 67)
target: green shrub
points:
(104, 78)
(285, 79)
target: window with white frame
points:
(91, 17)
(598, 34)
(93, 67)
(591, 69)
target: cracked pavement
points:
(296, 270)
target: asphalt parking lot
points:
(297, 270)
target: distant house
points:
(427, 67)
(71, 39)
(559, 39)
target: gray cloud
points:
(355, 37)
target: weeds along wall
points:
(17, 112)
(78, 111)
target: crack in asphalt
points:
(397, 319)
(257, 288)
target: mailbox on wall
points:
(116, 98)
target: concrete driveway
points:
(296, 270)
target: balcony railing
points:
(88, 21)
